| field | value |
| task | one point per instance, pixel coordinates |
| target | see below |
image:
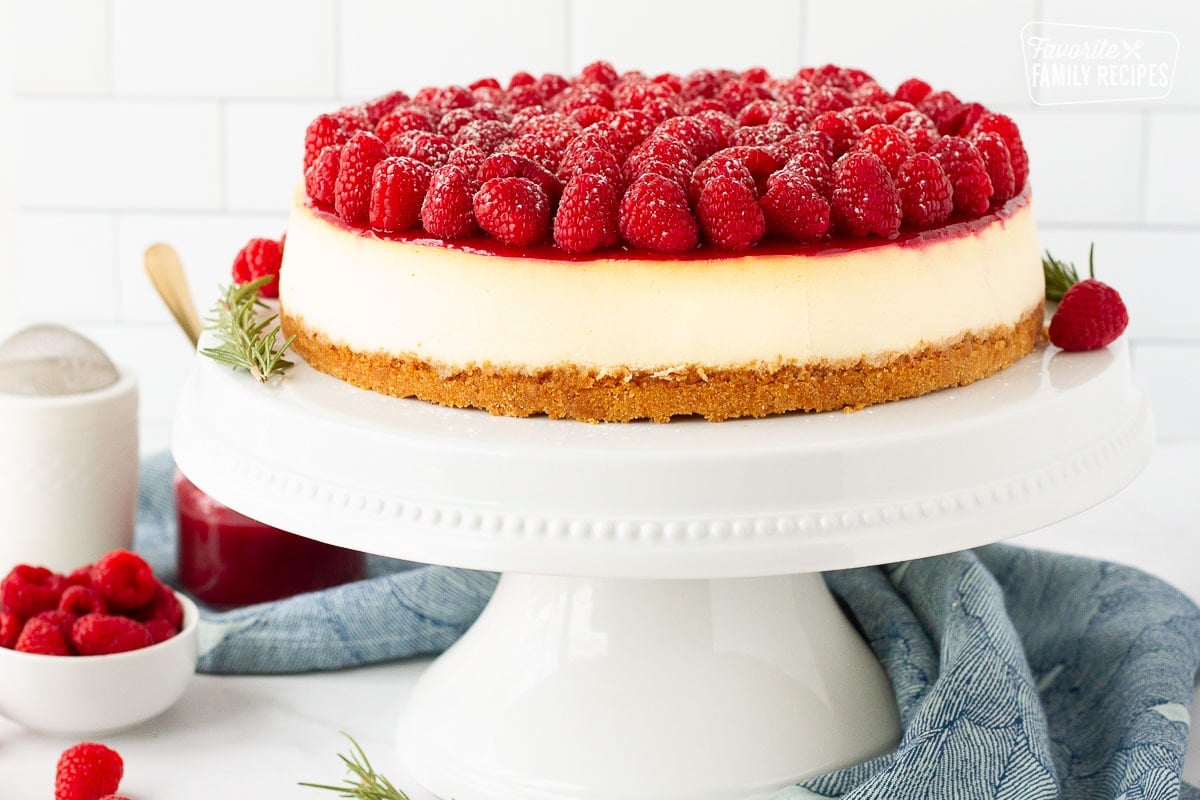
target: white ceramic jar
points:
(68, 475)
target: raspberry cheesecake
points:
(615, 246)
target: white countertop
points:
(258, 736)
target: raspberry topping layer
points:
(665, 164)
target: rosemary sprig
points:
(365, 783)
(1061, 275)
(247, 341)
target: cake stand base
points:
(615, 689)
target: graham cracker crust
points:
(573, 392)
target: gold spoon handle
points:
(166, 274)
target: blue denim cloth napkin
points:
(1019, 675)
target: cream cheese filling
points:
(458, 308)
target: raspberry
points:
(87, 771)
(865, 201)
(537, 149)
(587, 216)
(10, 629)
(676, 171)
(467, 157)
(827, 99)
(942, 108)
(431, 149)
(27, 590)
(660, 148)
(693, 133)
(670, 80)
(926, 194)
(966, 118)
(841, 130)
(352, 190)
(863, 117)
(484, 83)
(320, 180)
(998, 164)
(890, 111)
(654, 215)
(322, 132)
(383, 105)
(756, 75)
(720, 123)
(398, 186)
(921, 139)
(913, 90)
(591, 162)
(353, 119)
(590, 115)
(701, 83)
(871, 94)
(80, 576)
(520, 79)
(1007, 129)
(257, 259)
(43, 637)
(887, 142)
(160, 630)
(631, 127)
(600, 72)
(808, 141)
(965, 168)
(640, 94)
(737, 94)
(814, 169)
(124, 579)
(452, 97)
(452, 121)
(759, 160)
(510, 165)
(63, 619)
(760, 135)
(584, 95)
(720, 165)
(164, 605)
(555, 129)
(551, 85)
(513, 210)
(402, 120)
(729, 214)
(914, 120)
(448, 211)
(757, 113)
(1091, 315)
(104, 634)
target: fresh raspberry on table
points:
(486, 134)
(353, 118)
(43, 637)
(1007, 130)
(943, 108)
(537, 149)
(448, 211)
(554, 128)
(124, 579)
(913, 90)
(737, 94)
(863, 117)
(27, 590)
(694, 133)
(840, 129)
(631, 126)
(661, 148)
(600, 72)
(813, 168)
(761, 161)
(1091, 315)
(164, 605)
(402, 120)
(379, 107)
(431, 149)
(80, 576)
(729, 214)
(871, 94)
(967, 173)
(87, 771)
(807, 141)
(926, 194)
(398, 186)
(512, 165)
(513, 210)
(721, 124)
(10, 629)
(757, 113)
(322, 132)
(352, 190)
(793, 208)
(521, 78)
(448, 98)
(587, 215)
(258, 258)
(320, 180)
(700, 83)
(760, 135)
(593, 161)
(453, 121)
(591, 115)
(104, 634)
(829, 99)
(890, 111)
(655, 216)
(965, 118)
(584, 95)
(998, 164)
(887, 142)
(865, 200)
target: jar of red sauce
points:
(228, 559)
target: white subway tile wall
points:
(139, 121)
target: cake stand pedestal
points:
(661, 629)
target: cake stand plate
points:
(661, 629)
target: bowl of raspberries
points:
(99, 649)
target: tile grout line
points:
(805, 26)
(339, 11)
(568, 39)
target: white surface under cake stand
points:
(661, 629)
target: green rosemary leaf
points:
(365, 783)
(1061, 275)
(246, 338)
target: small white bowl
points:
(87, 695)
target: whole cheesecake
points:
(614, 247)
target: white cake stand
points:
(661, 629)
